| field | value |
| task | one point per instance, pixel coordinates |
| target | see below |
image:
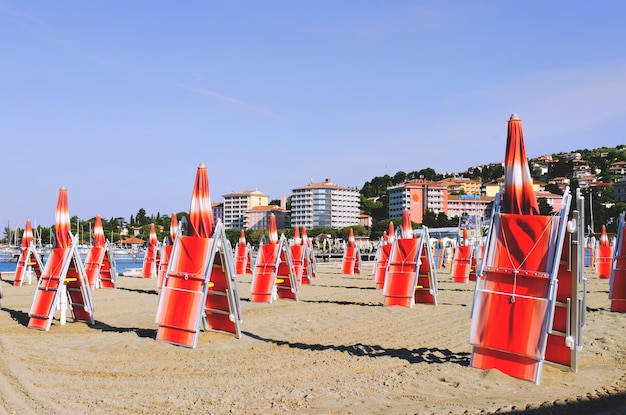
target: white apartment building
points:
(237, 205)
(326, 205)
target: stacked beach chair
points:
(63, 281)
(381, 258)
(166, 250)
(297, 251)
(590, 252)
(462, 260)
(152, 255)
(199, 287)
(477, 258)
(438, 253)
(528, 304)
(351, 261)
(29, 262)
(273, 275)
(243, 255)
(309, 267)
(604, 254)
(617, 281)
(99, 263)
(410, 277)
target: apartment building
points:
(417, 196)
(237, 205)
(326, 205)
(461, 185)
(493, 188)
(259, 217)
(218, 211)
(472, 205)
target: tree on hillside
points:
(544, 206)
(486, 173)
(140, 218)
(438, 220)
(382, 226)
(561, 168)
(399, 177)
(553, 188)
(377, 186)
(428, 174)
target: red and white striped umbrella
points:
(98, 233)
(153, 236)
(351, 240)
(604, 238)
(242, 238)
(385, 238)
(519, 196)
(296, 236)
(173, 228)
(62, 229)
(201, 221)
(27, 237)
(273, 230)
(407, 228)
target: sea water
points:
(121, 265)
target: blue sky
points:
(121, 101)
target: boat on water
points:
(9, 253)
(132, 272)
(123, 253)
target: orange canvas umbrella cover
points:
(519, 196)
(98, 233)
(27, 238)
(201, 221)
(62, 221)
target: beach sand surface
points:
(336, 351)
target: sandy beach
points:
(336, 351)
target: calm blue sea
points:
(120, 265)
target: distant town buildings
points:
(453, 197)
(492, 188)
(417, 196)
(237, 205)
(329, 205)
